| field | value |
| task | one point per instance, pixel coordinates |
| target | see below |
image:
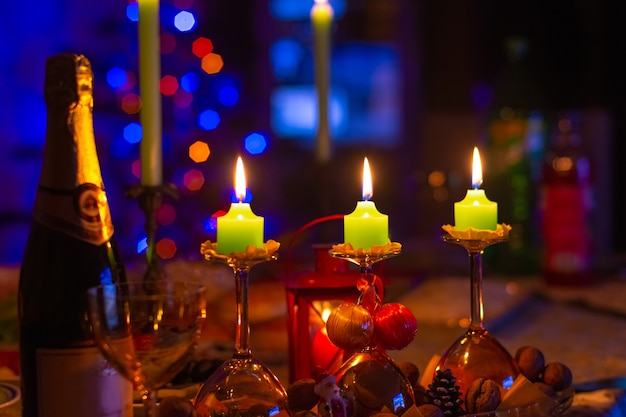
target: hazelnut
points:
(411, 371)
(430, 410)
(558, 375)
(545, 388)
(530, 361)
(301, 395)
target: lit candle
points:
(366, 226)
(149, 79)
(322, 19)
(476, 210)
(240, 227)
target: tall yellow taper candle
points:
(322, 20)
(149, 79)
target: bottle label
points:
(80, 382)
(82, 213)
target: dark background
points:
(446, 51)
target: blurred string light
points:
(285, 58)
(228, 96)
(190, 82)
(168, 43)
(201, 47)
(185, 21)
(301, 10)
(133, 132)
(255, 143)
(183, 99)
(199, 151)
(193, 180)
(166, 248)
(208, 119)
(168, 85)
(116, 77)
(212, 63)
(131, 103)
(166, 214)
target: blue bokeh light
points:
(208, 119)
(301, 10)
(228, 96)
(132, 11)
(255, 143)
(133, 132)
(116, 77)
(190, 82)
(286, 56)
(142, 245)
(121, 148)
(184, 21)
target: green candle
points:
(476, 210)
(322, 20)
(149, 80)
(240, 227)
(366, 226)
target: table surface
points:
(584, 328)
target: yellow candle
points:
(476, 210)
(322, 19)
(366, 226)
(149, 79)
(240, 227)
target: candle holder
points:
(241, 386)
(369, 378)
(150, 199)
(477, 353)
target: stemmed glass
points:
(477, 353)
(369, 378)
(147, 330)
(242, 386)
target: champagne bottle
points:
(70, 248)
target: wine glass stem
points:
(149, 403)
(242, 347)
(476, 290)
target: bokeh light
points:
(166, 248)
(168, 43)
(136, 168)
(142, 245)
(183, 99)
(132, 11)
(201, 47)
(228, 96)
(131, 103)
(193, 180)
(166, 214)
(212, 63)
(184, 21)
(199, 151)
(190, 82)
(285, 57)
(168, 85)
(208, 120)
(255, 143)
(133, 132)
(116, 77)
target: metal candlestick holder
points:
(150, 199)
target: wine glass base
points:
(242, 386)
(372, 382)
(477, 354)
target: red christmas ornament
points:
(394, 326)
(350, 327)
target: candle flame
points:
(477, 170)
(367, 180)
(320, 1)
(240, 180)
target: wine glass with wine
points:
(147, 330)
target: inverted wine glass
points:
(242, 386)
(147, 330)
(477, 353)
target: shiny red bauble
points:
(394, 326)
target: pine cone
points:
(444, 394)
